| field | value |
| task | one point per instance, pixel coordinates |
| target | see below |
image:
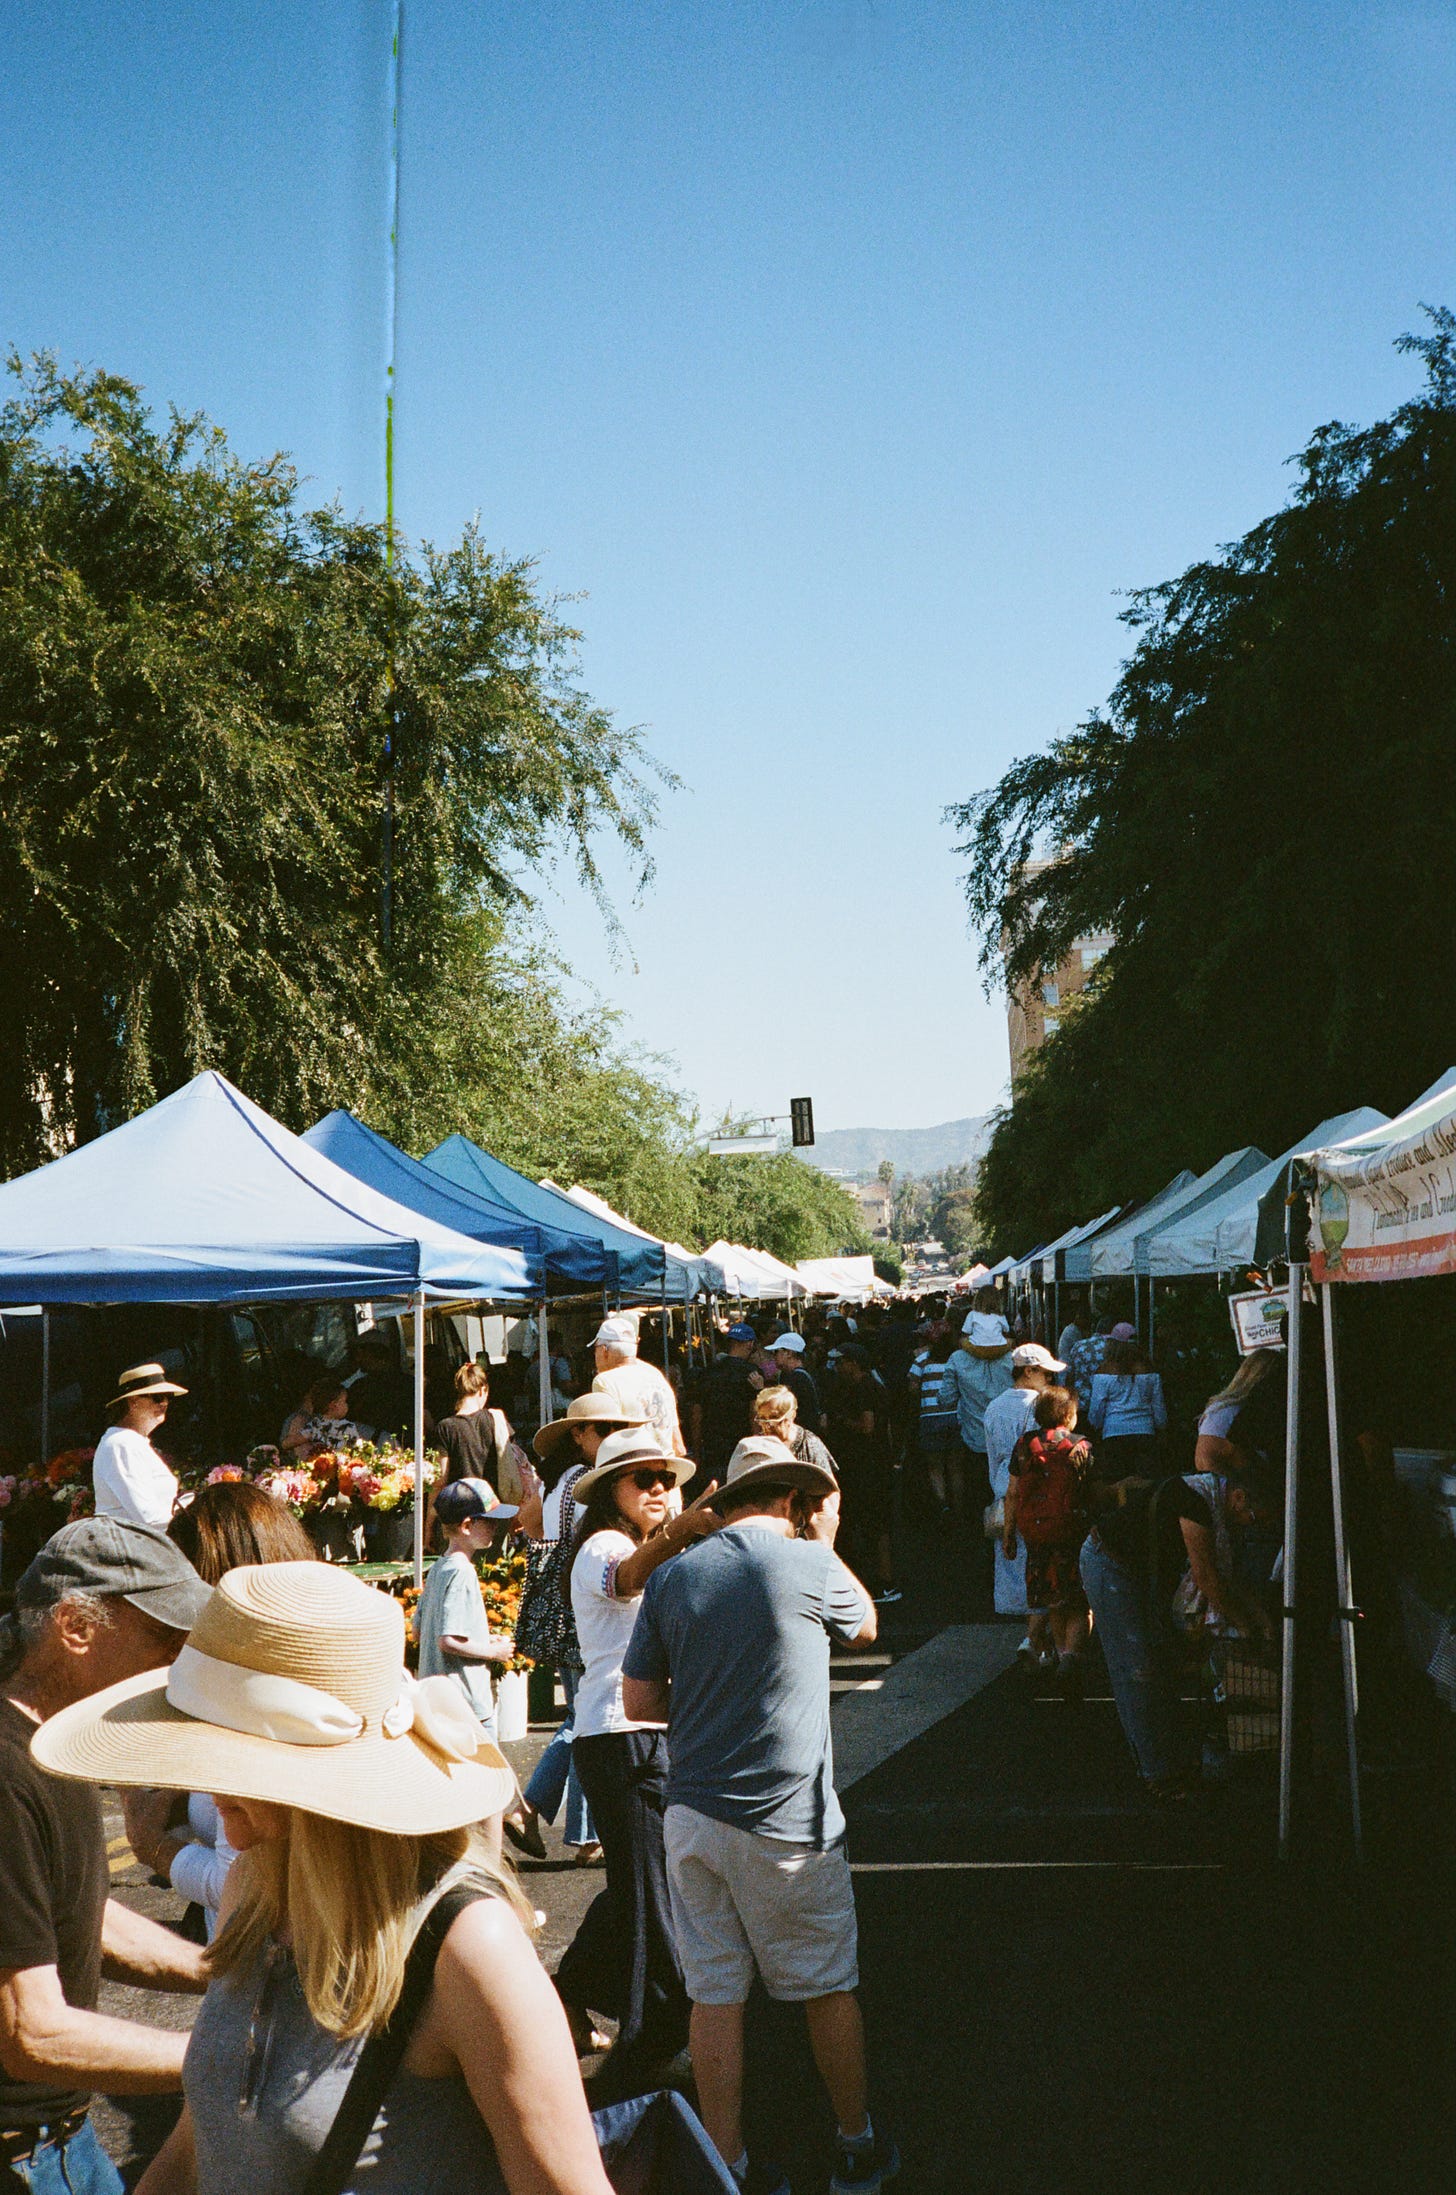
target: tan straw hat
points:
(627, 1451)
(763, 1460)
(143, 1379)
(292, 1687)
(589, 1409)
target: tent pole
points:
(45, 1385)
(543, 1366)
(666, 1354)
(419, 1440)
(1291, 1531)
(1056, 1311)
(1152, 1312)
(1348, 1613)
(1137, 1300)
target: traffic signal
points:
(801, 1113)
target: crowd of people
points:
(698, 1540)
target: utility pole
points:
(391, 330)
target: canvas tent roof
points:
(372, 1158)
(753, 1274)
(1053, 1264)
(1384, 1203)
(205, 1199)
(837, 1276)
(687, 1274)
(1224, 1174)
(1215, 1235)
(608, 1258)
(1077, 1261)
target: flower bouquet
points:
(502, 1575)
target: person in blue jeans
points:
(1146, 1537)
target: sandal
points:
(525, 1835)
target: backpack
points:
(1051, 1503)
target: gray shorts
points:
(742, 1902)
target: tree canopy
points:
(198, 677)
(1264, 817)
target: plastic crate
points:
(1252, 1682)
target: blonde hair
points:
(344, 1897)
(774, 1407)
(1252, 1371)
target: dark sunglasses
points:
(647, 1482)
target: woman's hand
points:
(694, 1523)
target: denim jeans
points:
(555, 1773)
(77, 2167)
(1141, 1662)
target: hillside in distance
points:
(910, 1150)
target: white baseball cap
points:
(794, 1342)
(616, 1334)
(1032, 1353)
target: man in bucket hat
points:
(103, 1600)
(731, 1649)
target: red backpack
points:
(1052, 1468)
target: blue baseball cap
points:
(741, 1332)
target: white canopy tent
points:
(847, 1277)
(1216, 1235)
(688, 1274)
(753, 1275)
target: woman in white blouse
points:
(623, 1960)
(129, 1479)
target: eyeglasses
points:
(647, 1482)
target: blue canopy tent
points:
(633, 1265)
(204, 1199)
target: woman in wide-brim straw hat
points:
(566, 1446)
(353, 1795)
(623, 1960)
(129, 1479)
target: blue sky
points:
(850, 357)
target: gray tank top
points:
(264, 2083)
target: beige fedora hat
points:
(292, 1687)
(625, 1451)
(588, 1409)
(143, 1379)
(763, 1460)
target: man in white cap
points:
(640, 1388)
(102, 1600)
(731, 1650)
(1006, 1419)
(788, 1354)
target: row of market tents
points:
(1367, 1179)
(205, 1199)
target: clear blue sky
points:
(850, 356)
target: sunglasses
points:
(647, 1482)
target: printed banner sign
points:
(1259, 1320)
(1389, 1213)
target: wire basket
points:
(1252, 1680)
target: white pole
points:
(45, 1386)
(1291, 1532)
(666, 1353)
(420, 1439)
(543, 1367)
(1346, 1612)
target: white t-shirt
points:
(641, 1389)
(603, 1629)
(1007, 1418)
(130, 1479)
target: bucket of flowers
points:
(502, 1574)
(381, 1480)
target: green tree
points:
(777, 1204)
(1263, 817)
(197, 676)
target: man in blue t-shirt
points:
(731, 1649)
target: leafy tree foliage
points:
(197, 678)
(1263, 816)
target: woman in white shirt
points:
(623, 1960)
(129, 1479)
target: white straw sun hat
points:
(292, 1687)
(625, 1451)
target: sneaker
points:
(763, 2178)
(864, 2171)
(887, 1596)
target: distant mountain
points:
(912, 1150)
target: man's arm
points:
(646, 1699)
(42, 2038)
(822, 1524)
(134, 1949)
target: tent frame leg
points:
(1291, 1553)
(543, 1363)
(1348, 1614)
(45, 1385)
(419, 1324)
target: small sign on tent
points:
(1258, 1320)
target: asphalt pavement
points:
(1067, 1988)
